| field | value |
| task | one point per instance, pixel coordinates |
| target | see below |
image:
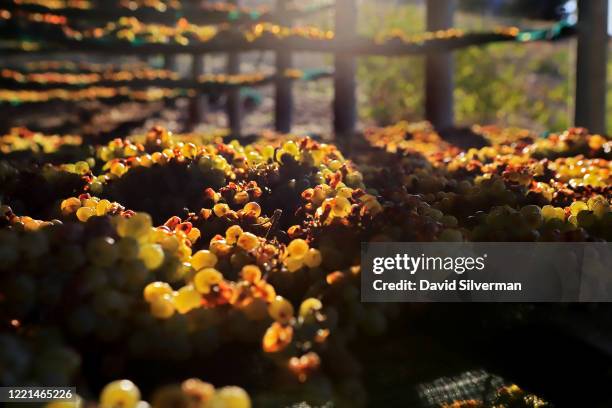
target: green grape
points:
(291, 148)
(156, 289)
(600, 208)
(341, 207)
(162, 307)
(451, 235)
(170, 396)
(128, 248)
(298, 248)
(248, 241)
(137, 226)
(313, 258)
(102, 251)
(121, 393)
(198, 390)
(205, 279)
(578, 206)
(251, 273)
(110, 302)
(232, 234)
(152, 255)
(77, 403)
(586, 218)
(310, 306)
(230, 397)
(252, 208)
(221, 210)
(85, 213)
(70, 205)
(293, 264)
(118, 169)
(134, 272)
(449, 221)
(281, 310)
(532, 214)
(186, 299)
(203, 259)
(96, 187)
(103, 207)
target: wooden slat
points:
(283, 103)
(345, 98)
(210, 86)
(197, 104)
(591, 65)
(170, 62)
(439, 68)
(234, 106)
(358, 46)
(193, 13)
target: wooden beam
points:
(171, 62)
(283, 103)
(233, 103)
(360, 46)
(439, 84)
(345, 98)
(194, 13)
(591, 65)
(197, 104)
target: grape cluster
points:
(240, 254)
(132, 30)
(57, 4)
(24, 146)
(225, 253)
(506, 397)
(88, 77)
(90, 93)
(515, 187)
(191, 393)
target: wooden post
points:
(233, 103)
(283, 104)
(439, 68)
(197, 105)
(591, 65)
(170, 62)
(345, 99)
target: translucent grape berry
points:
(248, 241)
(230, 397)
(298, 248)
(152, 255)
(206, 278)
(162, 307)
(232, 234)
(121, 393)
(251, 273)
(156, 289)
(313, 258)
(186, 299)
(252, 209)
(281, 310)
(203, 259)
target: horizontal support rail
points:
(197, 15)
(207, 86)
(357, 46)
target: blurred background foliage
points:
(527, 85)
